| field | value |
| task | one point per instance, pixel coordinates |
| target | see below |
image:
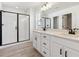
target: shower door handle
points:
(2, 24)
(15, 27)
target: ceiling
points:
(27, 5)
(22, 4)
(61, 6)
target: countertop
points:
(60, 33)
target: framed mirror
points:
(55, 22)
(45, 22)
(67, 21)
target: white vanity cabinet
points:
(41, 43)
(60, 48)
(56, 50)
(54, 46)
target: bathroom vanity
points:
(56, 43)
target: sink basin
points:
(70, 35)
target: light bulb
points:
(44, 8)
(49, 5)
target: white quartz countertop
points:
(60, 33)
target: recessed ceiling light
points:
(16, 7)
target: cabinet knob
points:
(65, 53)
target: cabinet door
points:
(45, 52)
(71, 53)
(56, 50)
(35, 40)
(9, 27)
(38, 42)
(23, 27)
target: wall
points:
(32, 21)
(37, 18)
(0, 6)
(75, 16)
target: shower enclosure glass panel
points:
(9, 28)
(23, 27)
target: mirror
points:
(55, 22)
(42, 22)
(48, 22)
(45, 22)
(67, 21)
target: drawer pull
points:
(36, 38)
(44, 36)
(65, 53)
(44, 52)
(60, 51)
(44, 43)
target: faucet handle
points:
(75, 29)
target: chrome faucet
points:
(73, 31)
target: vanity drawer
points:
(45, 43)
(44, 36)
(45, 52)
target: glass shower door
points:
(23, 27)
